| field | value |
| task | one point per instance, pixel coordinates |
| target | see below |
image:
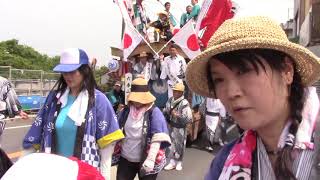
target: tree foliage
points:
(24, 57)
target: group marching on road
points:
(250, 76)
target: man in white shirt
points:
(173, 68)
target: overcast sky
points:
(50, 26)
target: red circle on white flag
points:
(127, 41)
(192, 43)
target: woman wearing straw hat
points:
(142, 150)
(262, 79)
(77, 119)
(179, 114)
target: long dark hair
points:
(240, 59)
(88, 83)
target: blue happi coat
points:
(100, 129)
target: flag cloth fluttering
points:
(218, 12)
(131, 37)
(203, 11)
(187, 39)
(130, 40)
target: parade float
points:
(142, 34)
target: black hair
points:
(241, 59)
(167, 3)
(5, 163)
(88, 83)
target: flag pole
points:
(131, 26)
(155, 53)
(173, 36)
(164, 46)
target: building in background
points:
(288, 28)
(306, 26)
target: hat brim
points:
(163, 14)
(178, 89)
(307, 64)
(141, 97)
(143, 56)
(66, 67)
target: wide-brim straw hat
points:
(140, 92)
(250, 33)
(143, 54)
(178, 87)
(163, 13)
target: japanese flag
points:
(187, 39)
(130, 40)
(204, 9)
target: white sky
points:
(50, 26)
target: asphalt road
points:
(195, 165)
(13, 135)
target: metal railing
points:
(29, 82)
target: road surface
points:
(195, 165)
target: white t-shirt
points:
(172, 68)
(131, 147)
(215, 106)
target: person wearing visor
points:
(77, 119)
(264, 82)
(142, 151)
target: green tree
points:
(24, 57)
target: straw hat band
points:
(226, 33)
(139, 88)
(140, 92)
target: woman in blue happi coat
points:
(142, 151)
(77, 119)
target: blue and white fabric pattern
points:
(101, 128)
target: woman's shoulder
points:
(219, 160)
(156, 112)
(100, 97)
(155, 109)
(184, 103)
(52, 95)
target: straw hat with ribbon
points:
(140, 92)
(178, 87)
(163, 13)
(250, 33)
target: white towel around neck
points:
(78, 109)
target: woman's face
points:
(255, 100)
(73, 79)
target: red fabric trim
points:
(86, 171)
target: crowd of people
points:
(164, 27)
(250, 70)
